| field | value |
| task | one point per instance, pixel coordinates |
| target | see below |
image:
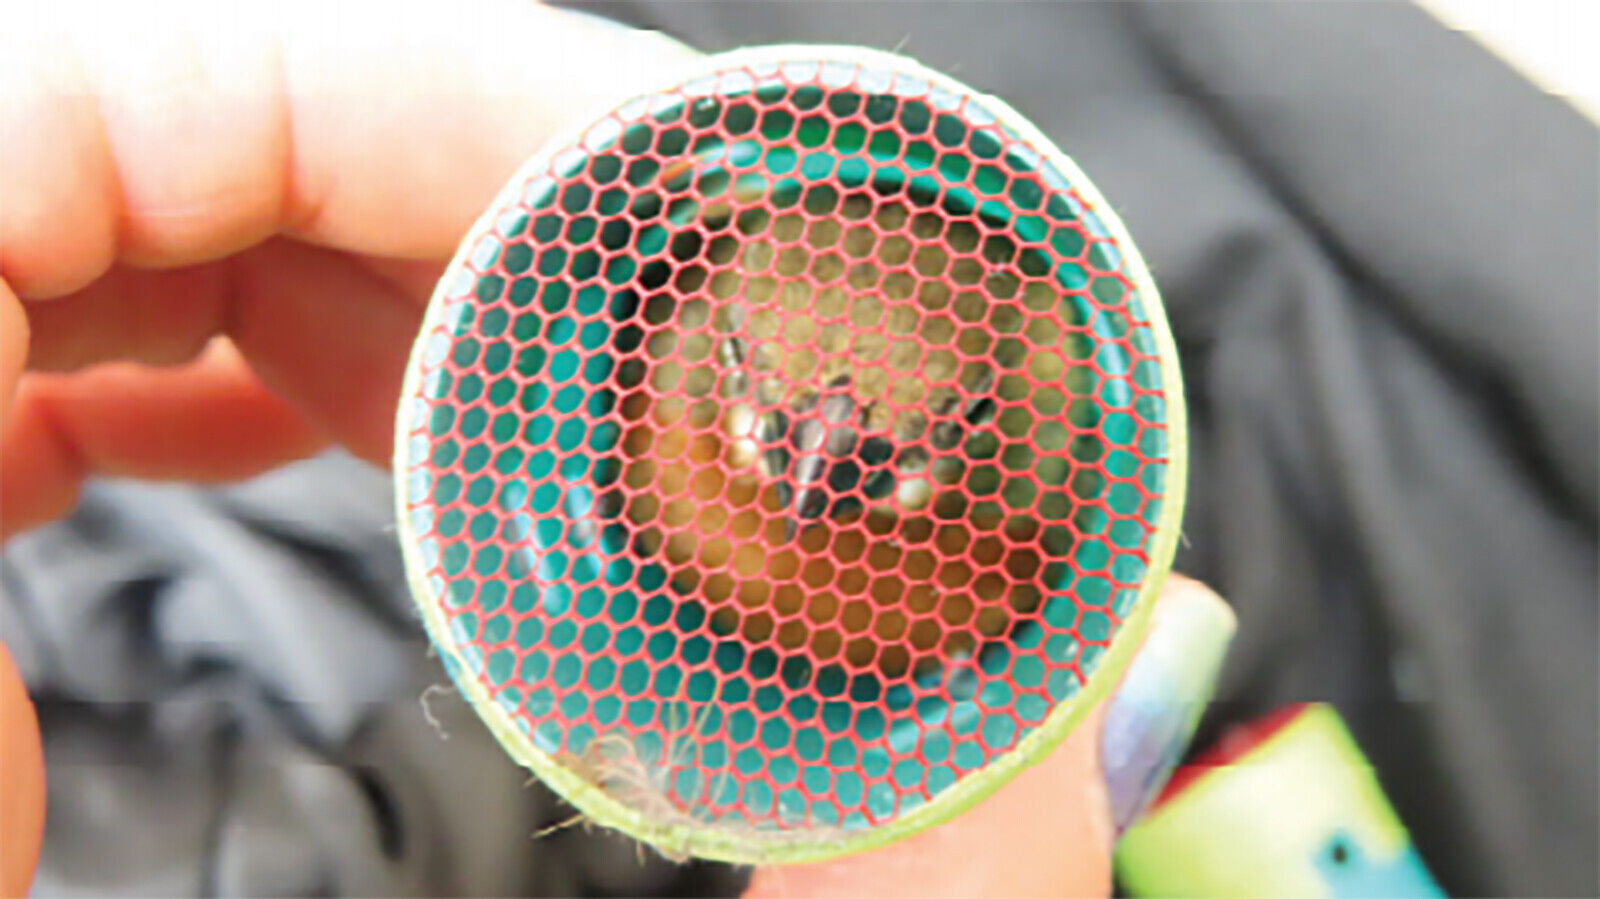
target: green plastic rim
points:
(462, 647)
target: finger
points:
(135, 315)
(59, 202)
(1152, 716)
(325, 337)
(211, 420)
(166, 316)
(330, 337)
(327, 332)
(170, 133)
(21, 783)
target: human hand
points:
(218, 229)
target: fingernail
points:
(1153, 715)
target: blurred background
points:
(1377, 240)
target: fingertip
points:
(58, 188)
(41, 471)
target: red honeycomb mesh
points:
(788, 449)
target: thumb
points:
(21, 761)
(21, 783)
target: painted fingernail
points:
(1155, 711)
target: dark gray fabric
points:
(237, 700)
(1378, 246)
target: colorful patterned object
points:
(1288, 807)
(790, 455)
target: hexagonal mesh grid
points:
(787, 449)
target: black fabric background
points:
(1378, 248)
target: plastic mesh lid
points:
(789, 455)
